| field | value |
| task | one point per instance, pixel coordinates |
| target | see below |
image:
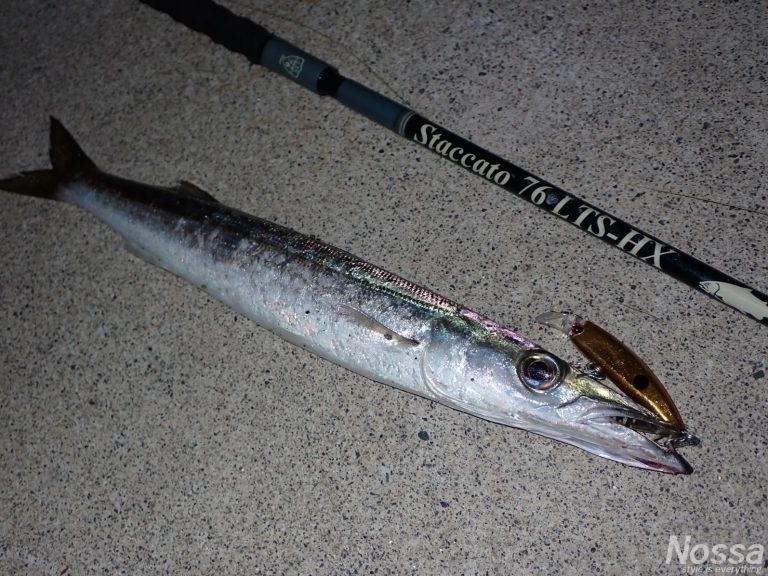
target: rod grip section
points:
(234, 32)
(320, 77)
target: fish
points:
(355, 314)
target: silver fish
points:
(355, 314)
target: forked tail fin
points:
(68, 161)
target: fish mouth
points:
(638, 439)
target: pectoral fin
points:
(369, 323)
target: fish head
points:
(568, 405)
(533, 389)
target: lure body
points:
(355, 314)
(627, 370)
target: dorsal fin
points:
(189, 190)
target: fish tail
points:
(68, 161)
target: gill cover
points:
(491, 377)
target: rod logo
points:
(292, 64)
(430, 137)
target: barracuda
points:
(355, 314)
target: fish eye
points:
(540, 371)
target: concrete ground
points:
(147, 429)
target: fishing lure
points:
(610, 357)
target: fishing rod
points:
(241, 35)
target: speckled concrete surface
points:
(146, 429)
